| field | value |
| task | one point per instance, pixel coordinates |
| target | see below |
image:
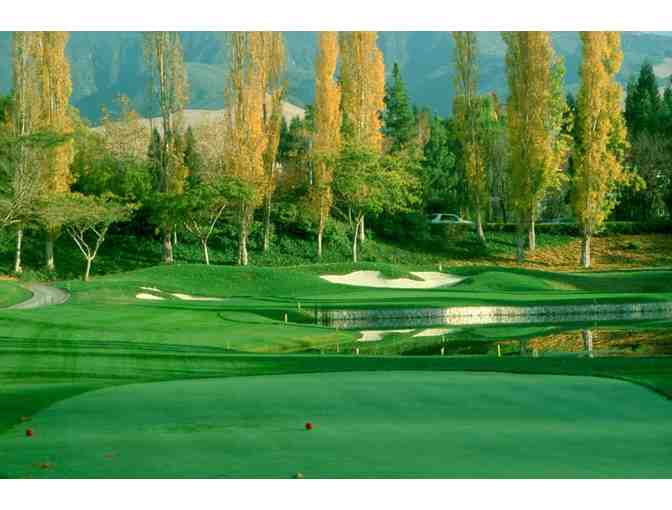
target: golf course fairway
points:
(366, 424)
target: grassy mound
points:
(392, 424)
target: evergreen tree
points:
(192, 158)
(643, 102)
(399, 125)
(649, 154)
(440, 180)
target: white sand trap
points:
(434, 332)
(145, 295)
(187, 297)
(428, 280)
(375, 335)
(183, 297)
(153, 289)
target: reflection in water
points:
(539, 341)
(587, 336)
(352, 320)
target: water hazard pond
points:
(650, 337)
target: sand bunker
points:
(145, 295)
(183, 297)
(428, 280)
(375, 335)
(434, 332)
(187, 297)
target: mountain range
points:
(106, 64)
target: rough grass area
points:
(557, 252)
(12, 293)
(384, 424)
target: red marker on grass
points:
(309, 426)
(29, 432)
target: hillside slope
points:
(105, 64)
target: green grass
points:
(12, 293)
(53, 360)
(391, 424)
(250, 318)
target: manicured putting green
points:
(366, 424)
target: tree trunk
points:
(479, 225)
(167, 246)
(505, 216)
(532, 236)
(17, 259)
(362, 234)
(87, 274)
(206, 257)
(585, 251)
(320, 234)
(49, 251)
(354, 240)
(267, 224)
(520, 244)
(588, 341)
(174, 236)
(242, 241)
(242, 250)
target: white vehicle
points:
(448, 219)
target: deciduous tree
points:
(362, 93)
(273, 63)
(602, 134)
(327, 136)
(246, 140)
(86, 219)
(165, 61)
(535, 109)
(469, 115)
(370, 184)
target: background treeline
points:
(363, 161)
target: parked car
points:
(447, 219)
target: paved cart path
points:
(43, 295)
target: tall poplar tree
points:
(25, 179)
(273, 66)
(246, 140)
(467, 108)
(602, 134)
(362, 96)
(535, 110)
(327, 137)
(164, 59)
(55, 88)
(363, 87)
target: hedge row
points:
(609, 228)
